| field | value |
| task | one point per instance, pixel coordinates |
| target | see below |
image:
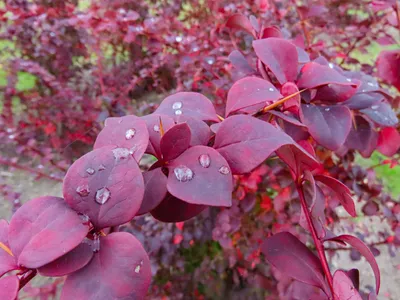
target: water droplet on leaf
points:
(121, 153)
(178, 112)
(83, 190)
(327, 109)
(374, 106)
(101, 168)
(224, 170)
(177, 105)
(204, 160)
(348, 79)
(90, 171)
(130, 133)
(103, 195)
(331, 65)
(137, 269)
(371, 84)
(156, 128)
(183, 173)
(271, 89)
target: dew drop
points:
(130, 133)
(224, 170)
(103, 195)
(121, 153)
(348, 79)
(101, 168)
(137, 269)
(331, 65)
(83, 190)
(178, 39)
(374, 106)
(271, 89)
(156, 128)
(370, 84)
(96, 244)
(204, 160)
(90, 171)
(183, 173)
(327, 109)
(177, 105)
(178, 112)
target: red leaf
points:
(201, 176)
(125, 132)
(43, 230)
(328, 125)
(175, 141)
(248, 93)
(388, 65)
(241, 22)
(188, 104)
(7, 261)
(290, 256)
(280, 56)
(343, 287)
(313, 75)
(106, 185)
(120, 270)
(389, 141)
(342, 192)
(271, 31)
(71, 262)
(9, 287)
(364, 250)
(172, 209)
(382, 113)
(155, 190)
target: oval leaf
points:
(120, 270)
(344, 287)
(175, 141)
(155, 190)
(7, 261)
(241, 22)
(381, 113)
(43, 230)
(9, 287)
(106, 185)
(328, 125)
(201, 176)
(201, 132)
(388, 65)
(124, 132)
(389, 141)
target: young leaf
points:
(175, 141)
(120, 270)
(388, 65)
(106, 185)
(241, 22)
(155, 190)
(290, 256)
(280, 56)
(125, 132)
(247, 93)
(328, 125)
(43, 230)
(201, 176)
(7, 260)
(200, 131)
(389, 141)
(343, 287)
(9, 287)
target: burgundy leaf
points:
(188, 104)
(280, 56)
(201, 176)
(241, 22)
(155, 190)
(297, 158)
(9, 287)
(334, 93)
(106, 185)
(342, 192)
(7, 261)
(285, 117)
(155, 124)
(365, 251)
(328, 125)
(200, 131)
(172, 209)
(290, 256)
(290, 88)
(388, 65)
(389, 141)
(382, 114)
(313, 75)
(71, 262)
(247, 93)
(370, 209)
(271, 31)
(354, 276)
(43, 230)
(120, 270)
(343, 287)
(175, 141)
(362, 137)
(240, 63)
(125, 132)
(363, 100)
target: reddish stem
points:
(318, 243)
(26, 278)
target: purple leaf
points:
(106, 185)
(201, 176)
(342, 192)
(382, 114)
(241, 22)
(188, 104)
(328, 125)
(120, 270)
(155, 190)
(71, 262)
(200, 131)
(248, 93)
(354, 276)
(313, 75)
(7, 262)
(343, 287)
(175, 141)
(172, 209)
(290, 256)
(365, 251)
(362, 137)
(334, 93)
(125, 132)
(280, 56)
(286, 117)
(43, 230)
(9, 287)
(363, 100)
(303, 55)
(297, 158)
(240, 63)
(154, 129)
